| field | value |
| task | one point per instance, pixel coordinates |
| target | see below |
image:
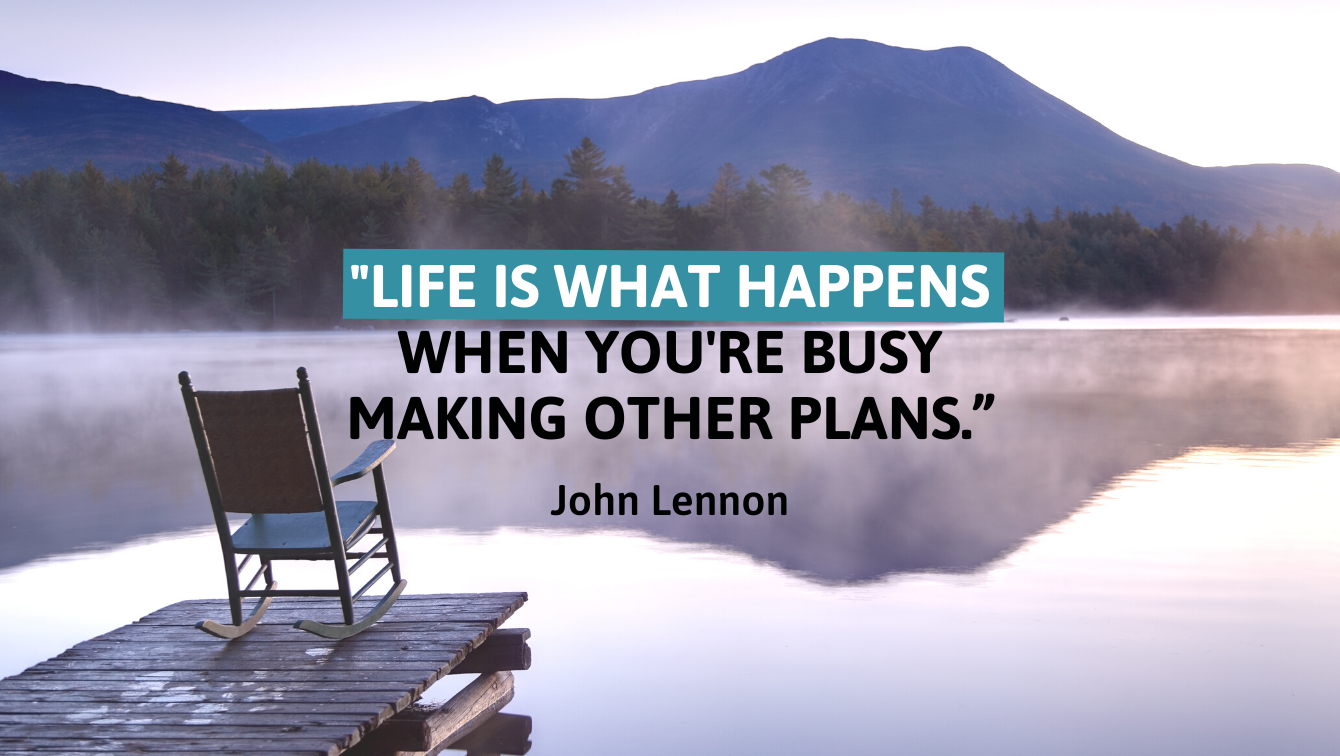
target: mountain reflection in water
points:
(95, 448)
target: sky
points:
(1211, 83)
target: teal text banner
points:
(518, 284)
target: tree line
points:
(254, 248)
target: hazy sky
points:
(1212, 83)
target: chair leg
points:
(234, 586)
(237, 630)
(388, 528)
(337, 632)
(350, 627)
(241, 627)
(346, 590)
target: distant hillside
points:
(45, 124)
(447, 137)
(860, 117)
(286, 124)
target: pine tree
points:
(499, 182)
(373, 237)
(725, 192)
(787, 194)
(595, 198)
(497, 197)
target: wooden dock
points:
(161, 686)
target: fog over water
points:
(1138, 550)
(95, 446)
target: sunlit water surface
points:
(1165, 579)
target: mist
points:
(95, 447)
(223, 249)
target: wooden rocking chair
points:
(261, 454)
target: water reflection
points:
(502, 733)
(94, 445)
(1190, 607)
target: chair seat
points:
(305, 531)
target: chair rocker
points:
(261, 454)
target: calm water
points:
(1138, 551)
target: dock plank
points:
(420, 729)
(193, 746)
(160, 686)
(374, 634)
(64, 698)
(30, 710)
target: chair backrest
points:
(261, 452)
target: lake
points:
(1137, 550)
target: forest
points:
(221, 248)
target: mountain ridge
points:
(860, 117)
(276, 125)
(52, 124)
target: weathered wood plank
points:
(423, 729)
(436, 600)
(261, 676)
(502, 651)
(195, 657)
(197, 745)
(404, 623)
(128, 686)
(169, 657)
(291, 609)
(409, 598)
(187, 748)
(340, 735)
(186, 717)
(421, 622)
(270, 635)
(307, 664)
(161, 686)
(286, 616)
(292, 604)
(447, 604)
(87, 711)
(509, 636)
(456, 635)
(184, 749)
(437, 604)
(190, 748)
(12, 701)
(504, 644)
(192, 745)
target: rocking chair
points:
(261, 454)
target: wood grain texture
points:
(373, 455)
(420, 729)
(500, 733)
(504, 650)
(161, 686)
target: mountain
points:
(45, 124)
(286, 124)
(447, 137)
(860, 117)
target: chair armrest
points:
(366, 462)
